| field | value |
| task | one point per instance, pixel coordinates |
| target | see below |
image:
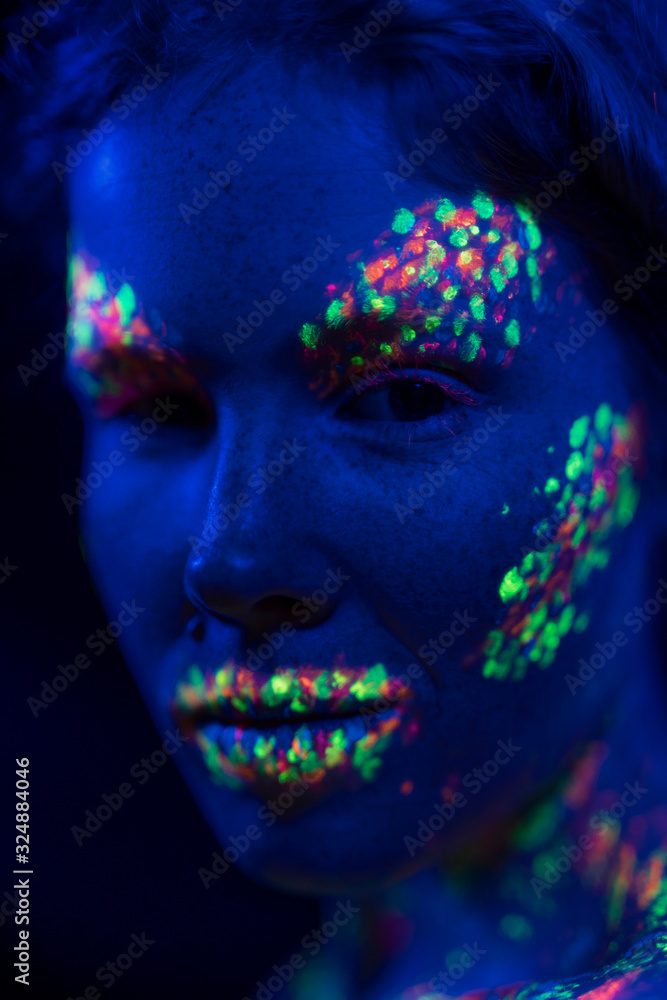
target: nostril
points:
(274, 610)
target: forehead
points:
(204, 206)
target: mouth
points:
(299, 723)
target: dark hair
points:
(566, 69)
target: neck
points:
(581, 879)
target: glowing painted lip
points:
(245, 698)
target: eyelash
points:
(433, 428)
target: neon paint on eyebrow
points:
(114, 357)
(454, 273)
(598, 496)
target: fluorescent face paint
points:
(244, 721)
(442, 286)
(113, 355)
(597, 497)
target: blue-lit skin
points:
(334, 506)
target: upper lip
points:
(236, 694)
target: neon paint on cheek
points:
(114, 358)
(596, 496)
(297, 723)
(442, 286)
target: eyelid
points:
(419, 373)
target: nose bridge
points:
(252, 561)
(253, 476)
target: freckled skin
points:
(334, 506)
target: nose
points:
(247, 591)
(264, 568)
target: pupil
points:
(416, 400)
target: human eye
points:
(407, 403)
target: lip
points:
(302, 723)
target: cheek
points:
(133, 529)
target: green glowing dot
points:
(512, 333)
(280, 685)
(126, 302)
(533, 236)
(581, 622)
(459, 238)
(575, 465)
(498, 279)
(445, 211)
(603, 419)
(531, 267)
(408, 333)
(509, 263)
(578, 432)
(403, 222)
(465, 257)
(483, 205)
(97, 287)
(551, 486)
(410, 269)
(477, 306)
(523, 211)
(309, 335)
(356, 360)
(432, 323)
(512, 584)
(82, 333)
(493, 236)
(451, 292)
(516, 927)
(385, 348)
(550, 450)
(471, 347)
(334, 313)
(505, 508)
(474, 230)
(459, 325)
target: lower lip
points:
(298, 749)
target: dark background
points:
(138, 873)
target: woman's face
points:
(360, 500)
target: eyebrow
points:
(443, 274)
